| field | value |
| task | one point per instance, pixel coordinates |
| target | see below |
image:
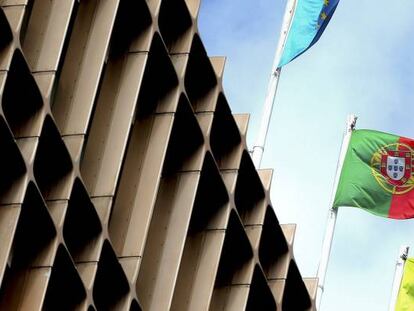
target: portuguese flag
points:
(405, 300)
(377, 175)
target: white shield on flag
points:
(395, 167)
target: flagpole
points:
(258, 147)
(332, 215)
(399, 271)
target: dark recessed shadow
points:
(65, 290)
(225, 135)
(249, 190)
(159, 79)
(5, 30)
(236, 251)
(272, 246)
(211, 196)
(260, 295)
(111, 285)
(174, 21)
(82, 225)
(200, 78)
(135, 306)
(295, 295)
(52, 162)
(22, 101)
(186, 138)
(132, 20)
(12, 165)
(35, 230)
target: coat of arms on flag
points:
(396, 167)
(392, 167)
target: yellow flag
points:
(405, 301)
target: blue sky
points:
(363, 64)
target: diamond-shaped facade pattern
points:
(125, 180)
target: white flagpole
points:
(399, 271)
(330, 227)
(258, 147)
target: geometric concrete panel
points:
(126, 183)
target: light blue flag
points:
(309, 21)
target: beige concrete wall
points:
(125, 181)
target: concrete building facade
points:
(125, 179)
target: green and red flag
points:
(405, 300)
(377, 175)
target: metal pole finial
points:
(351, 122)
(404, 252)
